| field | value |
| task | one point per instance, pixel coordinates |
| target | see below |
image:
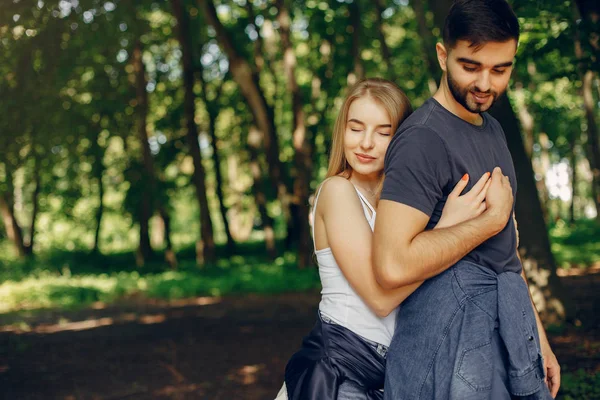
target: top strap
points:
(368, 209)
(365, 202)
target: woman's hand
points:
(460, 208)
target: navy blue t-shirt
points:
(430, 153)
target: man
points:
(470, 331)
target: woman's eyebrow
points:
(362, 123)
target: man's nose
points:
(483, 82)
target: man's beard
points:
(461, 95)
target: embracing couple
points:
(417, 210)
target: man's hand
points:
(551, 368)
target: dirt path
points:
(230, 348)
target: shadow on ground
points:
(204, 348)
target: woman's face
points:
(367, 137)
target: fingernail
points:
(488, 174)
(465, 177)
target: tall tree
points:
(212, 109)
(428, 43)
(385, 50)
(13, 230)
(145, 252)
(358, 71)
(35, 200)
(247, 80)
(302, 146)
(205, 248)
(590, 13)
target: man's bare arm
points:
(404, 253)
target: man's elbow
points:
(392, 276)
(383, 310)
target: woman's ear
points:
(442, 55)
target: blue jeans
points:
(350, 390)
(447, 343)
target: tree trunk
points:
(385, 50)
(589, 12)
(205, 249)
(302, 150)
(527, 124)
(212, 108)
(99, 212)
(145, 252)
(262, 135)
(546, 288)
(170, 256)
(98, 171)
(543, 167)
(13, 230)
(212, 116)
(247, 80)
(573, 180)
(36, 204)
(358, 71)
(428, 45)
(526, 119)
(592, 134)
(11, 225)
(254, 140)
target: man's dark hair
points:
(480, 22)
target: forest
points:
(160, 152)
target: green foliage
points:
(576, 246)
(580, 385)
(71, 118)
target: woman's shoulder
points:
(337, 191)
(336, 185)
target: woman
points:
(344, 355)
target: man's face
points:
(477, 77)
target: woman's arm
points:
(349, 235)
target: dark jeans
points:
(350, 390)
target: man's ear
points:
(442, 55)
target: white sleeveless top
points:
(340, 302)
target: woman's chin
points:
(368, 173)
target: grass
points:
(67, 280)
(64, 279)
(580, 385)
(576, 246)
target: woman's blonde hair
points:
(385, 93)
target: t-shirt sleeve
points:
(416, 169)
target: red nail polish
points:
(465, 177)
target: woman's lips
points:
(364, 158)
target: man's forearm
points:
(432, 252)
